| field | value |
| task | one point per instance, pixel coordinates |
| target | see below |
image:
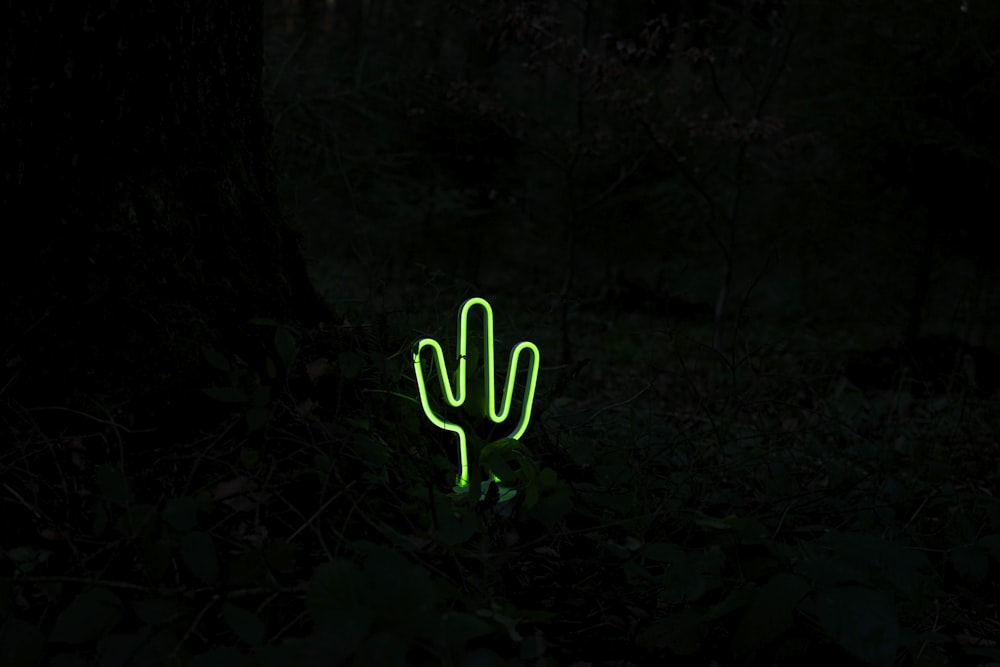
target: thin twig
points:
(318, 512)
(106, 422)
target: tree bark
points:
(140, 200)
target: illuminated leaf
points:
(382, 649)
(197, 551)
(215, 360)
(87, 617)
(156, 611)
(245, 624)
(769, 615)
(21, 644)
(221, 657)
(864, 621)
(256, 418)
(113, 484)
(284, 343)
(227, 394)
(181, 513)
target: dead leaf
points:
(233, 487)
(306, 407)
(239, 503)
(316, 368)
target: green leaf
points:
(197, 551)
(483, 657)
(692, 575)
(249, 457)
(227, 394)
(120, 649)
(971, 564)
(338, 599)
(181, 513)
(338, 591)
(221, 657)
(284, 343)
(245, 624)
(501, 468)
(663, 552)
(681, 633)
(87, 617)
(100, 519)
(769, 615)
(505, 495)
(370, 449)
(500, 455)
(21, 644)
(728, 523)
(382, 649)
(281, 655)
(864, 621)
(113, 484)
(322, 464)
(256, 418)
(532, 648)
(6, 600)
(905, 569)
(215, 360)
(351, 364)
(270, 368)
(554, 504)
(261, 396)
(158, 558)
(280, 556)
(459, 628)
(735, 600)
(456, 523)
(992, 654)
(156, 611)
(67, 660)
(27, 559)
(136, 520)
(163, 643)
(990, 543)
(531, 496)
(246, 569)
(401, 592)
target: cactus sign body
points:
(477, 396)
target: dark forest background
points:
(753, 240)
(821, 170)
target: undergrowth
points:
(783, 517)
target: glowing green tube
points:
(457, 398)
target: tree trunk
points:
(921, 284)
(140, 201)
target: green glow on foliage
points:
(457, 398)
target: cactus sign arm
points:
(458, 396)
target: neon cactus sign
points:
(477, 398)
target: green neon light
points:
(458, 398)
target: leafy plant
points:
(244, 387)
